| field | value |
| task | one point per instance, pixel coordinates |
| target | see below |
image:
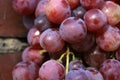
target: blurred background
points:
(12, 39)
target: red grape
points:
(73, 30)
(95, 57)
(89, 4)
(33, 37)
(110, 69)
(24, 7)
(33, 54)
(79, 12)
(95, 20)
(57, 10)
(52, 70)
(73, 3)
(112, 11)
(51, 40)
(81, 46)
(42, 23)
(110, 39)
(25, 71)
(41, 7)
(28, 22)
(75, 65)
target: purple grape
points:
(42, 23)
(79, 12)
(33, 54)
(112, 11)
(75, 65)
(95, 20)
(110, 69)
(77, 75)
(90, 4)
(56, 13)
(81, 46)
(25, 71)
(52, 70)
(51, 40)
(94, 73)
(73, 30)
(95, 57)
(110, 39)
(33, 37)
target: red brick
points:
(10, 22)
(7, 62)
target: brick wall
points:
(12, 39)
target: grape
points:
(28, 22)
(81, 46)
(51, 40)
(95, 57)
(73, 3)
(25, 71)
(42, 23)
(95, 74)
(112, 11)
(75, 65)
(40, 9)
(110, 39)
(77, 75)
(110, 69)
(24, 7)
(90, 4)
(33, 54)
(73, 30)
(56, 13)
(95, 20)
(52, 70)
(117, 54)
(33, 37)
(79, 12)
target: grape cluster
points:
(70, 40)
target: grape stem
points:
(43, 51)
(67, 59)
(61, 57)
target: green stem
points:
(73, 56)
(67, 59)
(43, 51)
(61, 57)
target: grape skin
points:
(52, 70)
(40, 9)
(110, 39)
(95, 57)
(25, 71)
(24, 7)
(95, 20)
(51, 40)
(33, 37)
(73, 30)
(33, 54)
(77, 75)
(56, 13)
(110, 69)
(112, 11)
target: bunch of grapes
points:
(70, 40)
